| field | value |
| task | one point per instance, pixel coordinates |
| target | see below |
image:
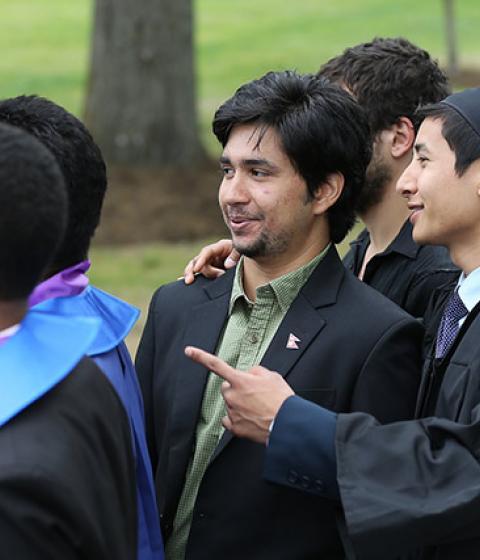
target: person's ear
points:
(403, 137)
(328, 192)
(474, 170)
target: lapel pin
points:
(292, 342)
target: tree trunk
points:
(140, 103)
(452, 58)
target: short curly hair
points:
(390, 78)
(33, 207)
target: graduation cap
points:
(467, 104)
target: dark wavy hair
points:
(321, 127)
(390, 78)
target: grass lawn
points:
(45, 44)
(134, 272)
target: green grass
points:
(134, 272)
(45, 43)
(241, 39)
(45, 46)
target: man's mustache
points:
(239, 214)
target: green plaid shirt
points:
(246, 336)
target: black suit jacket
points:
(67, 479)
(357, 351)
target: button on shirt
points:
(246, 336)
(406, 273)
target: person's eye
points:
(227, 171)
(259, 173)
(422, 160)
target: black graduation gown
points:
(417, 483)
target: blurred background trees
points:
(140, 98)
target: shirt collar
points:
(402, 244)
(285, 288)
(469, 288)
(68, 282)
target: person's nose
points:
(234, 190)
(407, 182)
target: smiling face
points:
(264, 200)
(445, 208)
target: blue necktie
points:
(448, 329)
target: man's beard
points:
(265, 245)
(377, 178)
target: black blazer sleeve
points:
(387, 384)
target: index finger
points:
(212, 363)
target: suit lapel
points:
(204, 329)
(304, 320)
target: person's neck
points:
(384, 220)
(262, 270)
(466, 257)
(12, 313)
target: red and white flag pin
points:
(292, 342)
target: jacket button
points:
(305, 482)
(292, 477)
(319, 486)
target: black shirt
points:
(405, 272)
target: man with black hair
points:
(65, 288)
(390, 78)
(295, 149)
(66, 468)
(408, 484)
